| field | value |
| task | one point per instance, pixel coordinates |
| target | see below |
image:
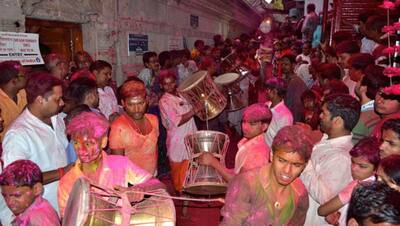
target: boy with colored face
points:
(22, 188)
(253, 152)
(272, 194)
(88, 131)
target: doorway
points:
(56, 37)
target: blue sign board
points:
(138, 43)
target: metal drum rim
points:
(185, 87)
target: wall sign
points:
(137, 44)
(194, 21)
(23, 47)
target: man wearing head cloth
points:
(134, 133)
(253, 152)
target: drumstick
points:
(178, 198)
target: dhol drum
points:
(230, 85)
(226, 79)
(200, 88)
(201, 179)
(90, 205)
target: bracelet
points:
(61, 172)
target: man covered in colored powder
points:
(134, 133)
(273, 194)
(88, 131)
(22, 187)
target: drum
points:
(90, 206)
(201, 179)
(226, 79)
(200, 88)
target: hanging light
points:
(267, 1)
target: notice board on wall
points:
(137, 44)
(23, 47)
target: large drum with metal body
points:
(201, 179)
(90, 205)
(199, 88)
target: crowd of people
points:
(320, 128)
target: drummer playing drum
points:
(253, 151)
(88, 131)
(177, 117)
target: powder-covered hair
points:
(164, 74)
(91, 124)
(368, 148)
(296, 138)
(132, 88)
(21, 173)
(258, 112)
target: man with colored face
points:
(274, 193)
(22, 187)
(38, 134)
(134, 133)
(88, 131)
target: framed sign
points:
(23, 47)
(137, 44)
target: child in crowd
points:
(390, 138)
(312, 108)
(22, 187)
(364, 163)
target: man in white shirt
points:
(328, 170)
(177, 117)
(108, 103)
(281, 115)
(38, 134)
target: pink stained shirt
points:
(115, 170)
(172, 108)
(253, 153)
(140, 149)
(39, 213)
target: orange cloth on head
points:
(178, 173)
(9, 109)
(140, 149)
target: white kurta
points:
(281, 117)
(327, 173)
(30, 138)
(172, 108)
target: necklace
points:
(138, 129)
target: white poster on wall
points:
(23, 47)
(175, 42)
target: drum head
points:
(191, 81)
(226, 78)
(76, 211)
